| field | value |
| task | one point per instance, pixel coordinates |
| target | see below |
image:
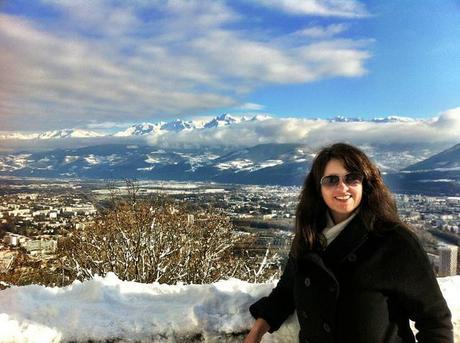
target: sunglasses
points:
(351, 179)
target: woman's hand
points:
(259, 328)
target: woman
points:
(355, 272)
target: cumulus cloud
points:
(326, 8)
(105, 125)
(129, 61)
(441, 131)
(322, 31)
(247, 133)
(318, 132)
(449, 121)
(250, 106)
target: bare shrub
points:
(162, 241)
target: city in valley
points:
(36, 213)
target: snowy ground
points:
(107, 309)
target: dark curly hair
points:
(377, 203)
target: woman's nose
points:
(342, 185)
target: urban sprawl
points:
(34, 214)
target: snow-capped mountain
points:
(69, 133)
(145, 129)
(174, 126)
(54, 134)
(18, 136)
(262, 164)
(446, 161)
(223, 120)
(178, 125)
(125, 155)
(343, 119)
(393, 119)
(438, 174)
(276, 164)
(140, 130)
(389, 119)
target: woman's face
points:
(342, 199)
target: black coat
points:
(364, 287)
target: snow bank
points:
(106, 308)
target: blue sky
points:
(70, 64)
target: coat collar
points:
(347, 242)
(341, 249)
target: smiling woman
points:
(355, 273)
(342, 194)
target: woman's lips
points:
(343, 197)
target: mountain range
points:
(134, 153)
(269, 164)
(142, 129)
(174, 126)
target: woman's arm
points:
(277, 306)
(259, 329)
(419, 292)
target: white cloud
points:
(250, 106)
(109, 61)
(96, 16)
(441, 131)
(449, 121)
(326, 8)
(106, 125)
(322, 31)
(319, 132)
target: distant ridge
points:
(447, 160)
(174, 126)
(436, 175)
(265, 164)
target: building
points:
(448, 260)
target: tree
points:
(161, 241)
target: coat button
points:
(326, 327)
(304, 314)
(307, 282)
(352, 258)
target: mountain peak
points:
(392, 119)
(177, 125)
(343, 119)
(139, 130)
(226, 117)
(260, 117)
(68, 133)
(222, 120)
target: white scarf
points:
(332, 230)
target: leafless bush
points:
(162, 241)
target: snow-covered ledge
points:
(109, 309)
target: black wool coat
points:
(364, 288)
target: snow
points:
(436, 180)
(247, 165)
(106, 308)
(140, 129)
(242, 164)
(91, 159)
(69, 133)
(70, 159)
(10, 162)
(151, 159)
(270, 163)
